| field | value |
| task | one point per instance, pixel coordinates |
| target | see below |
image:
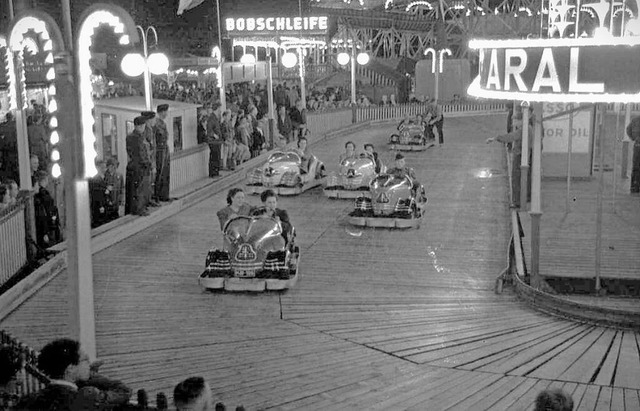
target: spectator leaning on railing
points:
(9, 367)
(74, 382)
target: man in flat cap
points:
(138, 169)
(162, 155)
(149, 135)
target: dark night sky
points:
(198, 25)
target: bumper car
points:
(353, 179)
(255, 257)
(396, 201)
(410, 138)
(286, 173)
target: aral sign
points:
(559, 70)
(276, 25)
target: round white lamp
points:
(289, 59)
(132, 64)
(362, 58)
(343, 58)
(158, 63)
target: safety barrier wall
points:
(189, 166)
(401, 110)
(321, 123)
(13, 245)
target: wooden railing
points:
(29, 378)
(373, 113)
(189, 166)
(13, 244)
(320, 123)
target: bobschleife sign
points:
(559, 70)
(243, 26)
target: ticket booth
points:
(114, 120)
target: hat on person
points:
(148, 114)
(140, 120)
(399, 156)
(162, 107)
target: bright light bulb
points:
(53, 106)
(362, 58)
(289, 59)
(51, 74)
(248, 59)
(343, 58)
(55, 138)
(158, 63)
(52, 90)
(49, 59)
(133, 64)
(55, 171)
(48, 45)
(53, 123)
(55, 155)
(124, 40)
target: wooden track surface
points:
(380, 319)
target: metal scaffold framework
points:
(394, 29)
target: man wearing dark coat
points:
(9, 150)
(74, 383)
(138, 167)
(149, 136)
(162, 155)
(633, 131)
(214, 136)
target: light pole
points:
(344, 59)
(134, 64)
(437, 57)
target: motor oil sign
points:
(556, 130)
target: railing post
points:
(354, 113)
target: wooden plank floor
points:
(380, 319)
(568, 246)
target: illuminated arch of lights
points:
(418, 4)
(96, 16)
(11, 74)
(18, 43)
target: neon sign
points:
(271, 25)
(569, 70)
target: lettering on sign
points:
(270, 25)
(556, 130)
(555, 70)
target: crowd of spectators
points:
(76, 384)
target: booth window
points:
(109, 136)
(177, 133)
